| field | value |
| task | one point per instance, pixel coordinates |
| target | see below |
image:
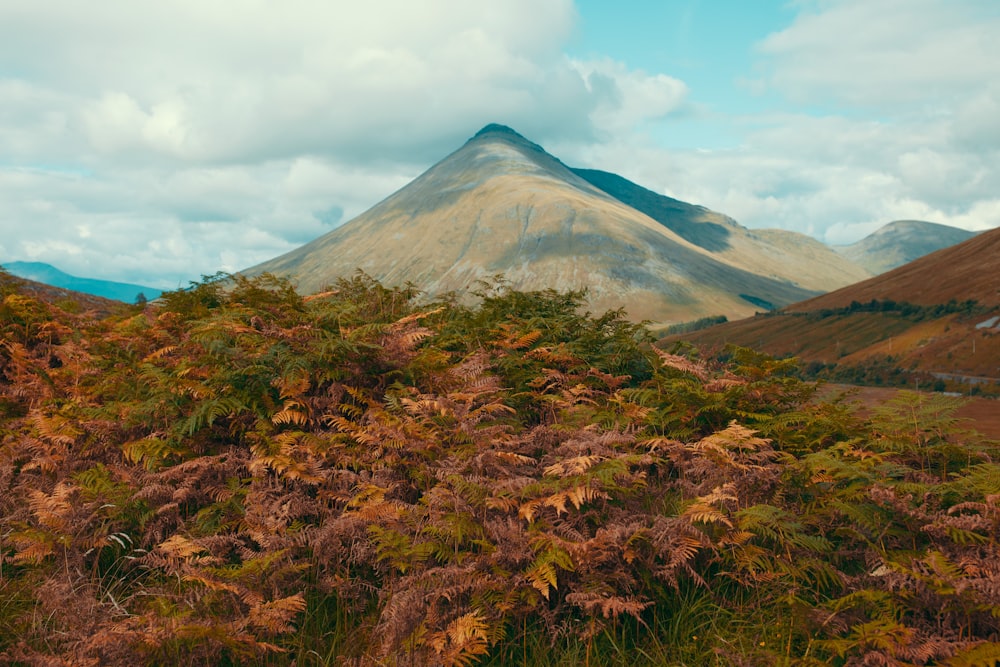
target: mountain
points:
(968, 270)
(780, 254)
(64, 298)
(50, 275)
(939, 314)
(900, 242)
(501, 204)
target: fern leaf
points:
(293, 412)
(542, 577)
(502, 503)
(986, 654)
(557, 501)
(180, 547)
(275, 617)
(157, 354)
(579, 495)
(573, 466)
(528, 509)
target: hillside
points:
(936, 317)
(969, 270)
(501, 204)
(108, 289)
(901, 242)
(779, 254)
(64, 298)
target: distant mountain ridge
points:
(501, 204)
(65, 298)
(901, 241)
(108, 289)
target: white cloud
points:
(626, 100)
(160, 141)
(184, 136)
(885, 53)
(911, 127)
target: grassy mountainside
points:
(961, 272)
(247, 476)
(501, 204)
(937, 315)
(67, 299)
(779, 254)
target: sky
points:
(157, 142)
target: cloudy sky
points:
(155, 142)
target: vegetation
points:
(240, 475)
(695, 325)
(910, 311)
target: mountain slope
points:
(108, 289)
(67, 299)
(918, 318)
(501, 204)
(783, 255)
(968, 270)
(900, 242)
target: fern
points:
(986, 654)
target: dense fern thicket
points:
(240, 475)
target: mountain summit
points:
(502, 204)
(900, 242)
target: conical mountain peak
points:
(496, 131)
(502, 204)
(497, 128)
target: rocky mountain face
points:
(900, 242)
(501, 204)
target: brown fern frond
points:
(573, 466)
(683, 364)
(320, 295)
(211, 583)
(703, 510)
(178, 546)
(527, 510)
(512, 457)
(53, 510)
(55, 428)
(608, 606)
(542, 577)
(293, 412)
(523, 342)
(557, 501)
(581, 494)
(463, 640)
(502, 503)
(276, 617)
(160, 353)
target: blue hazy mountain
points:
(109, 289)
